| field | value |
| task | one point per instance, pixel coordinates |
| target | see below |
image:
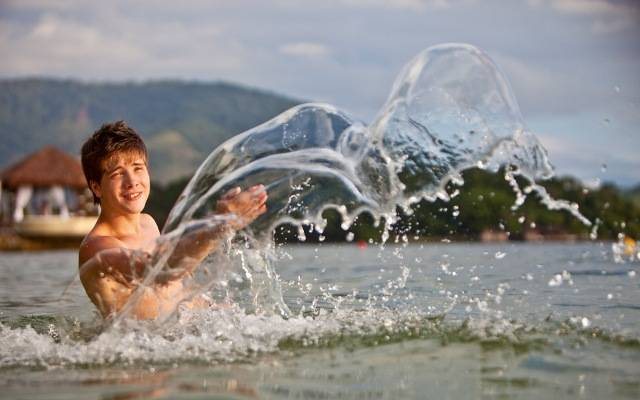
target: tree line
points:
(484, 204)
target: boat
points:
(55, 226)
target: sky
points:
(574, 65)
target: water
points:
(394, 320)
(449, 109)
(457, 322)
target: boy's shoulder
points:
(93, 244)
(102, 238)
(148, 220)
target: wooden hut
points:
(47, 195)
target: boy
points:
(114, 256)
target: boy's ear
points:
(95, 188)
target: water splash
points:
(450, 109)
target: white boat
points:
(54, 226)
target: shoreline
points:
(12, 242)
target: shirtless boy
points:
(116, 254)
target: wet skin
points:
(115, 253)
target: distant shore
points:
(11, 241)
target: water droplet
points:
(301, 236)
(593, 235)
(350, 237)
(555, 281)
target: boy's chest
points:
(143, 241)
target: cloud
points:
(542, 90)
(607, 16)
(62, 43)
(414, 5)
(60, 5)
(114, 45)
(402, 4)
(589, 7)
(614, 25)
(304, 49)
(563, 57)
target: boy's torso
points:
(155, 299)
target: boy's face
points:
(124, 186)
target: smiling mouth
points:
(132, 196)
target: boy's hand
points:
(246, 205)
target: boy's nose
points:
(130, 180)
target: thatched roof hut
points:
(46, 167)
(41, 183)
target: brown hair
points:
(111, 138)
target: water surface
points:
(444, 320)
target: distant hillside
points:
(634, 194)
(181, 122)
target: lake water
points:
(444, 320)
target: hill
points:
(634, 195)
(182, 122)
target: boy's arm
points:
(108, 271)
(181, 250)
(236, 209)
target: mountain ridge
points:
(196, 115)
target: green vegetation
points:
(634, 194)
(484, 204)
(182, 122)
(163, 197)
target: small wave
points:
(599, 272)
(224, 336)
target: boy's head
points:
(109, 144)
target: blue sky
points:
(574, 64)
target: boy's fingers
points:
(232, 192)
(222, 206)
(259, 193)
(261, 198)
(258, 210)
